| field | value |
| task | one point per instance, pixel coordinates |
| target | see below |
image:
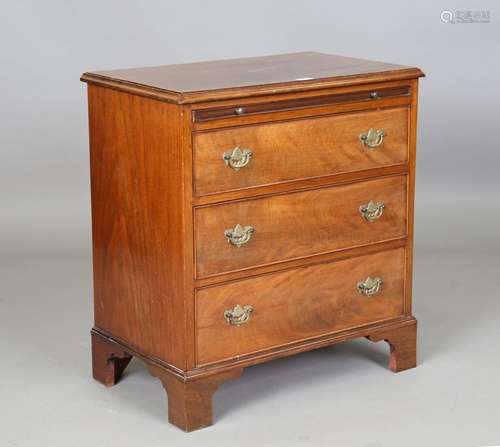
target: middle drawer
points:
(255, 232)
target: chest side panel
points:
(138, 221)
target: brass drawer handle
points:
(238, 315)
(372, 138)
(237, 158)
(372, 210)
(370, 286)
(239, 235)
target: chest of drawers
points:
(249, 209)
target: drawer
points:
(255, 232)
(264, 154)
(297, 304)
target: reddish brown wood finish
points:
(236, 78)
(108, 361)
(300, 103)
(298, 149)
(144, 211)
(306, 111)
(139, 223)
(297, 304)
(403, 346)
(338, 255)
(296, 225)
(301, 185)
(411, 197)
(190, 402)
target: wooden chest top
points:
(235, 78)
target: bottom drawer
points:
(297, 304)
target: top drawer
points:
(264, 154)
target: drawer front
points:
(272, 153)
(297, 304)
(299, 224)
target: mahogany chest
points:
(249, 209)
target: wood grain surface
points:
(298, 149)
(139, 243)
(297, 304)
(108, 360)
(223, 79)
(402, 343)
(308, 110)
(298, 224)
(366, 95)
(190, 402)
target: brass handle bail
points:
(372, 210)
(370, 286)
(237, 158)
(238, 315)
(372, 138)
(239, 235)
